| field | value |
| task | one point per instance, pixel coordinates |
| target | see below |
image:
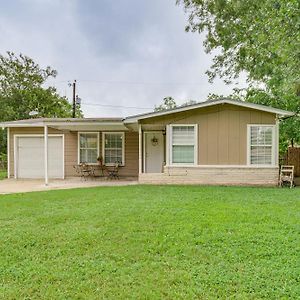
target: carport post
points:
(140, 149)
(8, 153)
(46, 153)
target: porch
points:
(53, 149)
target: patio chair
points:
(102, 168)
(286, 176)
(114, 173)
(83, 170)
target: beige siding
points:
(214, 176)
(71, 153)
(222, 131)
(233, 138)
(131, 167)
(71, 149)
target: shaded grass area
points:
(3, 174)
(150, 242)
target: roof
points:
(280, 112)
(39, 122)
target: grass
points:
(3, 174)
(150, 242)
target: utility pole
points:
(74, 99)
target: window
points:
(88, 147)
(113, 148)
(183, 144)
(261, 144)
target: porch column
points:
(168, 145)
(46, 153)
(277, 141)
(140, 149)
(8, 152)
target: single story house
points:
(224, 142)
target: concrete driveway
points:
(10, 186)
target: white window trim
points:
(274, 147)
(78, 145)
(16, 136)
(123, 146)
(170, 144)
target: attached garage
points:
(29, 156)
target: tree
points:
(22, 91)
(259, 38)
(168, 103)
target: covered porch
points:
(51, 149)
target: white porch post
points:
(8, 152)
(277, 142)
(168, 145)
(46, 153)
(140, 149)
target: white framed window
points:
(261, 145)
(183, 145)
(88, 147)
(113, 148)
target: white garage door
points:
(30, 157)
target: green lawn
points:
(150, 242)
(3, 174)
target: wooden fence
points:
(293, 158)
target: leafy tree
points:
(259, 38)
(22, 90)
(168, 103)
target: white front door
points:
(30, 157)
(154, 152)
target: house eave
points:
(75, 125)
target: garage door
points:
(30, 157)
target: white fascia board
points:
(6, 125)
(53, 124)
(83, 123)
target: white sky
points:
(126, 53)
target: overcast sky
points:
(125, 53)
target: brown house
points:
(216, 142)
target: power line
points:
(139, 82)
(126, 82)
(114, 106)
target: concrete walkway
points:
(10, 186)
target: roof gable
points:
(40, 122)
(280, 112)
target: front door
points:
(154, 152)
